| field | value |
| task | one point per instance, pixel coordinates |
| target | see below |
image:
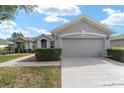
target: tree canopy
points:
(15, 36)
(8, 12)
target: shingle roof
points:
(117, 37)
(43, 35)
(37, 37)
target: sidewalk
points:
(16, 63)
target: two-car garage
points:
(79, 47)
(83, 37)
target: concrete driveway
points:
(92, 72)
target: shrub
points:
(21, 50)
(8, 49)
(109, 52)
(16, 50)
(28, 50)
(116, 54)
(48, 54)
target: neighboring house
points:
(117, 40)
(82, 37)
(4, 42)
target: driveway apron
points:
(91, 73)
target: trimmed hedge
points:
(48, 54)
(116, 54)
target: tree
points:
(8, 12)
(15, 36)
(20, 34)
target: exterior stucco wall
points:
(38, 42)
(29, 45)
(117, 43)
(58, 43)
(107, 45)
(82, 26)
(26, 45)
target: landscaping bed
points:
(8, 57)
(116, 53)
(30, 77)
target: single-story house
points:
(41, 41)
(82, 37)
(117, 40)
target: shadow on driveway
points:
(76, 62)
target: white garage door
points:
(82, 47)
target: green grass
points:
(117, 47)
(8, 57)
(30, 77)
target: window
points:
(43, 43)
(18, 44)
(52, 44)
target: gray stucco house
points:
(4, 42)
(117, 40)
(82, 37)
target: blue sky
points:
(45, 18)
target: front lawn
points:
(9, 57)
(30, 77)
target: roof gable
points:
(43, 35)
(84, 19)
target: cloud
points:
(55, 19)
(54, 13)
(59, 10)
(7, 27)
(4, 35)
(115, 17)
(10, 27)
(7, 24)
(39, 30)
(110, 11)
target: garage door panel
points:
(82, 47)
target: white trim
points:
(89, 33)
(60, 42)
(103, 47)
(83, 34)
